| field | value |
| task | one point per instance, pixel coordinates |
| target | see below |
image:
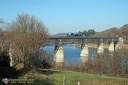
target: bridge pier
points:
(84, 53)
(100, 48)
(59, 56)
(84, 50)
(111, 47)
(119, 44)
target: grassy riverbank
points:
(51, 77)
(55, 77)
(72, 78)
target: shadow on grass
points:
(12, 73)
(8, 72)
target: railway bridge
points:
(111, 43)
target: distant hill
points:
(111, 32)
(60, 34)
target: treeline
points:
(115, 32)
(88, 33)
(111, 32)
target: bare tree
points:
(25, 35)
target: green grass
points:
(85, 79)
(54, 77)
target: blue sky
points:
(61, 16)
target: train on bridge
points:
(74, 34)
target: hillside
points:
(115, 32)
(60, 34)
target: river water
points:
(71, 53)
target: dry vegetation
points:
(106, 64)
(24, 36)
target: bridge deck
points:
(77, 40)
(76, 37)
